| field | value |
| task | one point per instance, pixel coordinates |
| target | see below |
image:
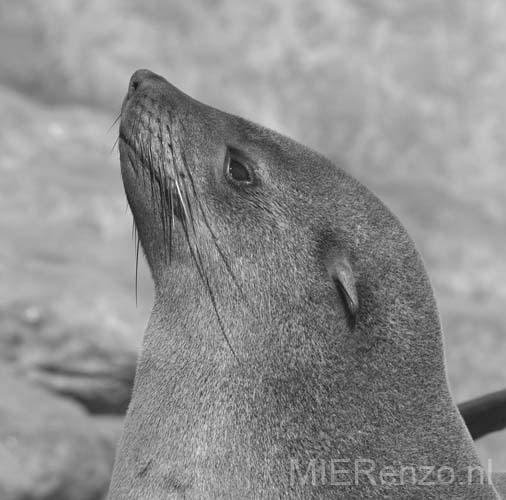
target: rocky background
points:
(410, 95)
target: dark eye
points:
(237, 170)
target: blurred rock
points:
(83, 362)
(49, 447)
(108, 429)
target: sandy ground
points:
(410, 96)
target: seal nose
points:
(141, 78)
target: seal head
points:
(294, 331)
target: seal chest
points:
(294, 348)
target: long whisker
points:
(197, 259)
(118, 118)
(206, 221)
(114, 145)
(166, 199)
(137, 267)
(137, 241)
(211, 232)
(171, 221)
(184, 201)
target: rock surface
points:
(83, 362)
(50, 448)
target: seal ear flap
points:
(341, 273)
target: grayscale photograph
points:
(253, 250)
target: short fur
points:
(335, 357)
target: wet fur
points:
(250, 359)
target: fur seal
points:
(294, 350)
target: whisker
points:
(118, 118)
(171, 221)
(165, 197)
(195, 253)
(137, 267)
(197, 259)
(114, 145)
(211, 232)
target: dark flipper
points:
(485, 414)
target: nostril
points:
(137, 80)
(143, 81)
(141, 76)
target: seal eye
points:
(237, 170)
